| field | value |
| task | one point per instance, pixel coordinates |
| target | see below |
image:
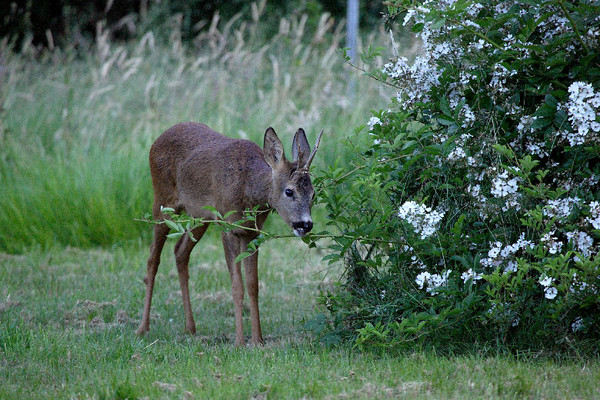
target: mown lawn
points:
(68, 316)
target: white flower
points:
(560, 208)
(372, 122)
(498, 255)
(582, 240)
(550, 293)
(546, 281)
(474, 190)
(582, 109)
(553, 244)
(422, 278)
(594, 217)
(493, 253)
(423, 219)
(495, 250)
(577, 324)
(456, 154)
(537, 149)
(577, 285)
(511, 267)
(470, 274)
(433, 281)
(502, 186)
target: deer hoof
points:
(142, 330)
(190, 328)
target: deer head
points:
(292, 192)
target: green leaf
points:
(551, 101)
(242, 256)
(214, 211)
(228, 214)
(174, 226)
(504, 150)
(438, 23)
(416, 28)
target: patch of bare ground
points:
(92, 314)
(379, 391)
(8, 303)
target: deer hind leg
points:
(183, 248)
(231, 245)
(160, 235)
(251, 272)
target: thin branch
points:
(568, 15)
(371, 75)
(335, 181)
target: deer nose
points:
(303, 227)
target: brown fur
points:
(192, 166)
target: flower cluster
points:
(424, 220)
(470, 274)
(499, 255)
(594, 218)
(373, 121)
(503, 187)
(583, 105)
(433, 281)
(561, 208)
(550, 291)
(419, 78)
(581, 241)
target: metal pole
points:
(352, 40)
(352, 28)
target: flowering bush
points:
(473, 213)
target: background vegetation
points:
(74, 23)
(76, 128)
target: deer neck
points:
(258, 190)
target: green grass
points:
(68, 316)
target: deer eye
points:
(289, 192)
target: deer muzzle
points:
(301, 228)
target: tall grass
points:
(75, 129)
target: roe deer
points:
(192, 166)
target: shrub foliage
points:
(473, 214)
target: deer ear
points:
(300, 148)
(273, 149)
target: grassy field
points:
(75, 130)
(68, 316)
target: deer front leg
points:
(231, 245)
(183, 248)
(251, 271)
(160, 236)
